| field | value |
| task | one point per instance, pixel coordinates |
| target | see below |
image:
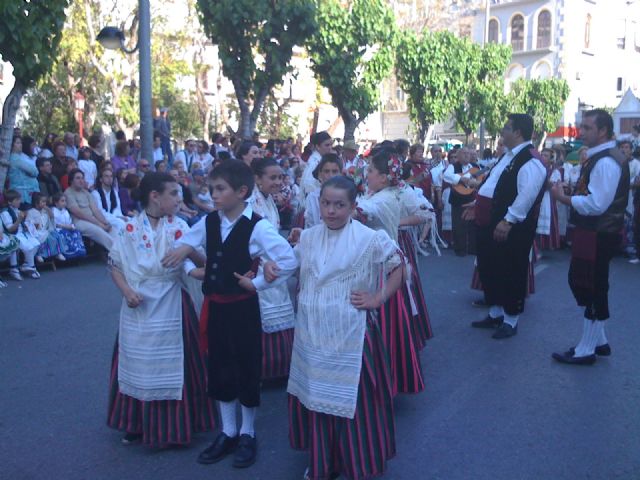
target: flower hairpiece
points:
(357, 174)
(395, 171)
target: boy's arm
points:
(187, 244)
(266, 241)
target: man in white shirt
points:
(463, 231)
(188, 156)
(70, 145)
(158, 154)
(597, 211)
(506, 215)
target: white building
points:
(593, 44)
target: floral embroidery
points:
(144, 237)
(357, 174)
(129, 227)
(178, 234)
(148, 245)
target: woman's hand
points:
(294, 236)
(133, 298)
(365, 300)
(245, 281)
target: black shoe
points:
(220, 448)
(488, 322)
(246, 452)
(601, 351)
(479, 303)
(571, 360)
(505, 331)
(131, 438)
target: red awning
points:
(561, 132)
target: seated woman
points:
(108, 200)
(14, 223)
(126, 183)
(157, 371)
(41, 217)
(23, 173)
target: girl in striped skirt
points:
(158, 378)
(276, 309)
(340, 403)
(381, 210)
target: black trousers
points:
(463, 232)
(595, 300)
(235, 351)
(504, 267)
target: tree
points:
(30, 33)
(431, 68)
(256, 40)
(274, 120)
(543, 100)
(484, 85)
(351, 54)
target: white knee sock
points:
(228, 416)
(590, 336)
(248, 419)
(511, 319)
(495, 311)
(29, 257)
(602, 337)
(13, 260)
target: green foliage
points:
(351, 53)
(30, 33)
(185, 120)
(275, 121)
(542, 99)
(484, 85)
(432, 69)
(47, 111)
(256, 40)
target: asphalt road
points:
(491, 409)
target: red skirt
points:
(421, 322)
(167, 422)
(356, 448)
(276, 354)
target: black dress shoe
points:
(246, 452)
(601, 351)
(488, 322)
(571, 360)
(220, 448)
(505, 331)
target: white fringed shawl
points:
(382, 210)
(329, 335)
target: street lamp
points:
(113, 39)
(78, 103)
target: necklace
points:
(152, 216)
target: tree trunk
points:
(544, 139)
(244, 126)
(423, 128)
(350, 125)
(9, 112)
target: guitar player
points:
(464, 241)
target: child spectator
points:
(41, 217)
(9, 246)
(14, 222)
(88, 167)
(72, 244)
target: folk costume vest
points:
(225, 258)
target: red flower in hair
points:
(129, 227)
(178, 234)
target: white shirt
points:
(117, 211)
(634, 169)
(531, 177)
(437, 172)
(187, 158)
(312, 210)
(71, 152)
(265, 241)
(603, 183)
(157, 155)
(308, 183)
(450, 175)
(205, 160)
(90, 171)
(61, 217)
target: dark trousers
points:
(464, 233)
(504, 267)
(235, 351)
(595, 300)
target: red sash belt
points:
(483, 211)
(204, 314)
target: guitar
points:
(475, 173)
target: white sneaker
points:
(24, 268)
(634, 260)
(61, 257)
(15, 274)
(39, 259)
(34, 274)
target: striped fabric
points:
(276, 354)
(421, 321)
(356, 448)
(167, 422)
(397, 336)
(52, 246)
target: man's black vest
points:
(455, 198)
(225, 258)
(506, 192)
(612, 220)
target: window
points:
(517, 33)
(544, 29)
(542, 71)
(587, 32)
(619, 84)
(1, 72)
(494, 31)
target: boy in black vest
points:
(234, 237)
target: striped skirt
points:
(398, 339)
(421, 321)
(276, 354)
(356, 448)
(167, 422)
(551, 241)
(52, 246)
